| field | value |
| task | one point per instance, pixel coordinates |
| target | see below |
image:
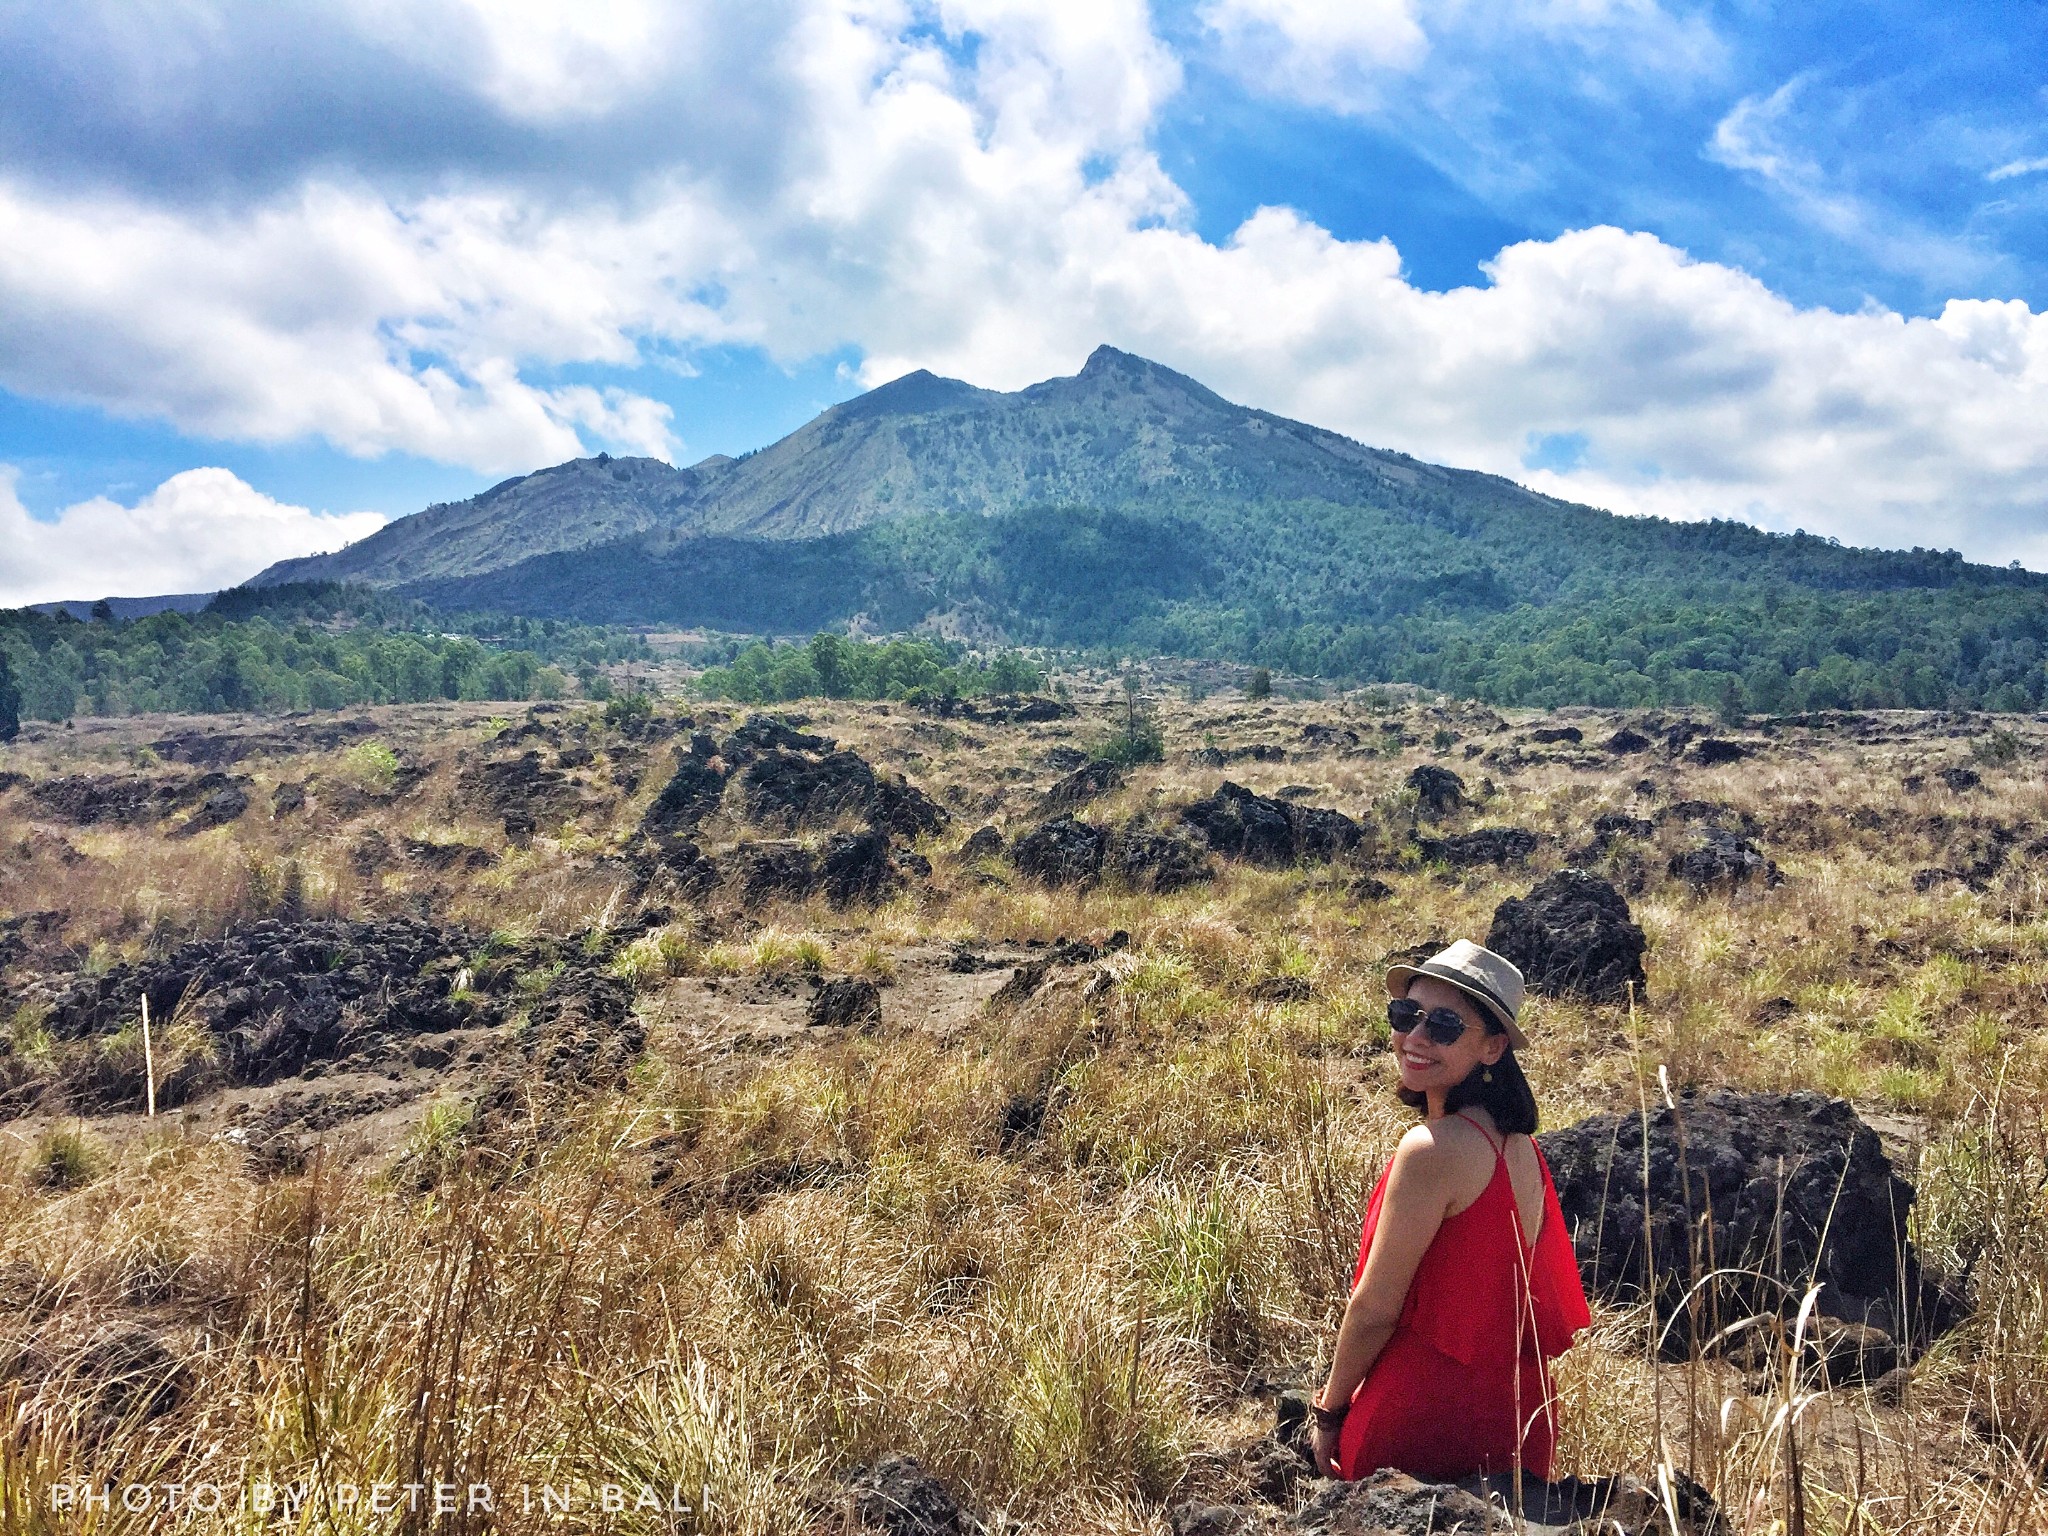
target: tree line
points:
(834, 666)
(309, 646)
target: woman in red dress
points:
(1466, 1284)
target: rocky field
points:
(866, 1116)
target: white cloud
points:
(2014, 168)
(1700, 392)
(1314, 51)
(967, 186)
(1342, 54)
(1761, 135)
(329, 313)
(199, 531)
(539, 59)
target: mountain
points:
(1128, 507)
(1124, 431)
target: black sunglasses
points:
(1444, 1026)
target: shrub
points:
(67, 1159)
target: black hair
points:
(1508, 1097)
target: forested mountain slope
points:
(1130, 507)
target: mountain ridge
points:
(1129, 509)
(1122, 429)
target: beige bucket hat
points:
(1486, 978)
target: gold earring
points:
(1486, 1076)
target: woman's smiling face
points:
(1425, 1065)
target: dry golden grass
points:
(1050, 1254)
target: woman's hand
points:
(1324, 1434)
(1324, 1443)
(1326, 1448)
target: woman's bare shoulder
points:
(1435, 1147)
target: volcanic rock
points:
(845, 1002)
(1321, 833)
(1261, 830)
(287, 799)
(1061, 852)
(1328, 737)
(905, 809)
(1390, 1503)
(521, 790)
(1680, 736)
(1282, 989)
(445, 856)
(1625, 741)
(1571, 936)
(1154, 861)
(1723, 860)
(1085, 783)
(983, 843)
(1960, 779)
(581, 1036)
(1489, 845)
(224, 805)
(898, 1497)
(91, 800)
(271, 997)
(124, 1373)
(790, 789)
(856, 866)
(692, 793)
(1765, 1194)
(765, 733)
(762, 871)
(1245, 825)
(1715, 750)
(1614, 825)
(1555, 733)
(1437, 790)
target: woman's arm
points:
(1411, 1210)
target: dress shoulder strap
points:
(1500, 1147)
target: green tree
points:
(10, 701)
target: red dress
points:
(1468, 1358)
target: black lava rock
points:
(691, 794)
(1154, 861)
(983, 843)
(1489, 845)
(1723, 860)
(1085, 783)
(856, 866)
(1715, 750)
(1625, 741)
(1437, 790)
(845, 1002)
(224, 805)
(1572, 936)
(763, 871)
(1061, 852)
(1262, 830)
(273, 997)
(897, 1496)
(1749, 1199)
(765, 733)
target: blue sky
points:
(1782, 263)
